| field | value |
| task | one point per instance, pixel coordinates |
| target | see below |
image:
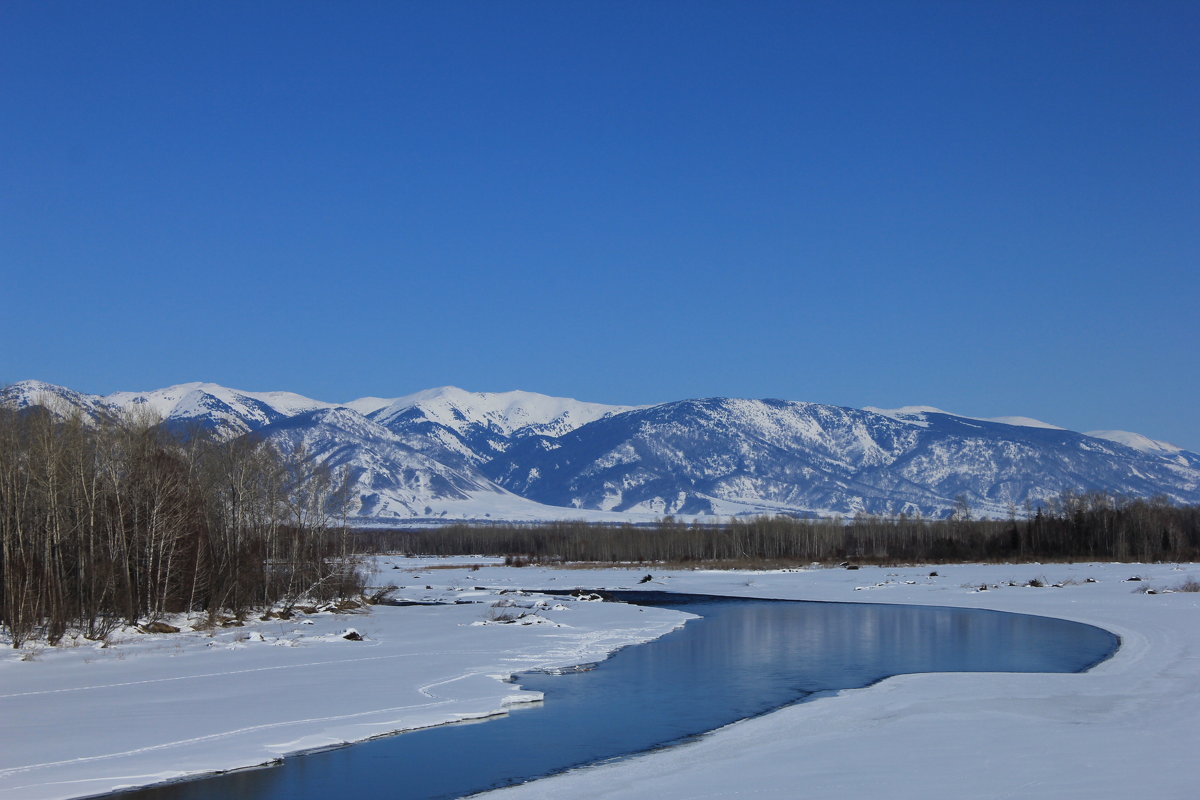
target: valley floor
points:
(78, 721)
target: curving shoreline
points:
(1139, 628)
(743, 658)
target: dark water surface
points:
(744, 658)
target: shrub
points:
(504, 611)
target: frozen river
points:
(742, 658)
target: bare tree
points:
(104, 521)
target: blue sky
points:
(991, 207)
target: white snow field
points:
(1126, 728)
(78, 721)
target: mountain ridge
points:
(447, 453)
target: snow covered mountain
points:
(450, 454)
(472, 428)
(58, 400)
(1144, 444)
(225, 412)
(387, 477)
(388, 480)
(723, 456)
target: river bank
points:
(79, 721)
(1124, 728)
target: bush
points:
(504, 611)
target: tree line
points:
(117, 521)
(1084, 527)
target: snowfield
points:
(82, 720)
(78, 721)
(1126, 728)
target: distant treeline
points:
(1078, 527)
(110, 522)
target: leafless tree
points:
(111, 521)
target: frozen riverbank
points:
(1125, 728)
(79, 721)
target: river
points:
(742, 658)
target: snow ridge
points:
(504, 413)
(1137, 441)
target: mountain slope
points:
(58, 400)
(225, 412)
(450, 454)
(389, 481)
(713, 456)
(472, 428)
(722, 456)
(386, 477)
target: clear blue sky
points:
(992, 207)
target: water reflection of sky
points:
(744, 658)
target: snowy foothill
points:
(81, 720)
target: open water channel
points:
(744, 657)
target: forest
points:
(1076, 527)
(111, 522)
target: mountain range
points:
(448, 454)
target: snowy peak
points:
(912, 414)
(1143, 444)
(223, 411)
(503, 413)
(919, 415)
(58, 400)
(216, 407)
(369, 405)
(1021, 422)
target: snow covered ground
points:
(1127, 728)
(80, 720)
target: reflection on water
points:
(745, 657)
